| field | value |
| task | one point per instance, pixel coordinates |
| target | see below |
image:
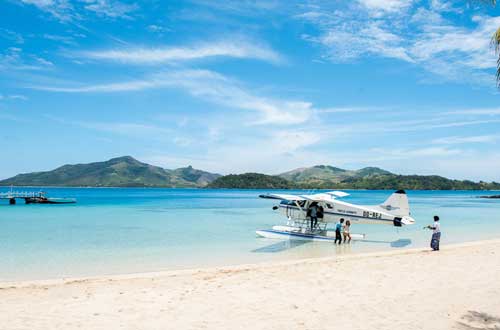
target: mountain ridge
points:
(330, 173)
(127, 171)
(124, 171)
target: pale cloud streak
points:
(109, 8)
(12, 36)
(13, 97)
(409, 153)
(66, 11)
(212, 87)
(236, 48)
(476, 112)
(60, 9)
(467, 139)
(14, 59)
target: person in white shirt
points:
(436, 233)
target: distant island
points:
(329, 177)
(117, 172)
(129, 172)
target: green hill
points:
(251, 181)
(415, 182)
(329, 177)
(129, 172)
(320, 174)
(117, 172)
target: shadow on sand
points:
(280, 246)
(473, 320)
(290, 244)
(402, 242)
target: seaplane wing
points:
(337, 193)
(321, 197)
(283, 197)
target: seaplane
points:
(395, 211)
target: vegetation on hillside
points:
(388, 181)
(251, 181)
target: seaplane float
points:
(395, 211)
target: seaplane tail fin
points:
(397, 204)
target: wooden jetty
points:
(32, 197)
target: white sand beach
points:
(456, 288)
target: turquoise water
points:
(112, 231)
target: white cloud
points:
(465, 47)
(444, 6)
(109, 8)
(60, 9)
(234, 48)
(415, 34)
(67, 11)
(14, 59)
(349, 35)
(212, 87)
(63, 39)
(157, 28)
(380, 7)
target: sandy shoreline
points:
(457, 287)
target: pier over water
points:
(34, 197)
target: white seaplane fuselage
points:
(394, 212)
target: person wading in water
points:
(338, 231)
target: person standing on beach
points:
(338, 231)
(347, 231)
(436, 233)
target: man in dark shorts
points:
(338, 231)
(313, 213)
(436, 233)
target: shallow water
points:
(124, 230)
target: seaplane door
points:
(293, 211)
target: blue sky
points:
(236, 86)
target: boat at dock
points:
(46, 200)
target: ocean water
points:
(127, 230)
